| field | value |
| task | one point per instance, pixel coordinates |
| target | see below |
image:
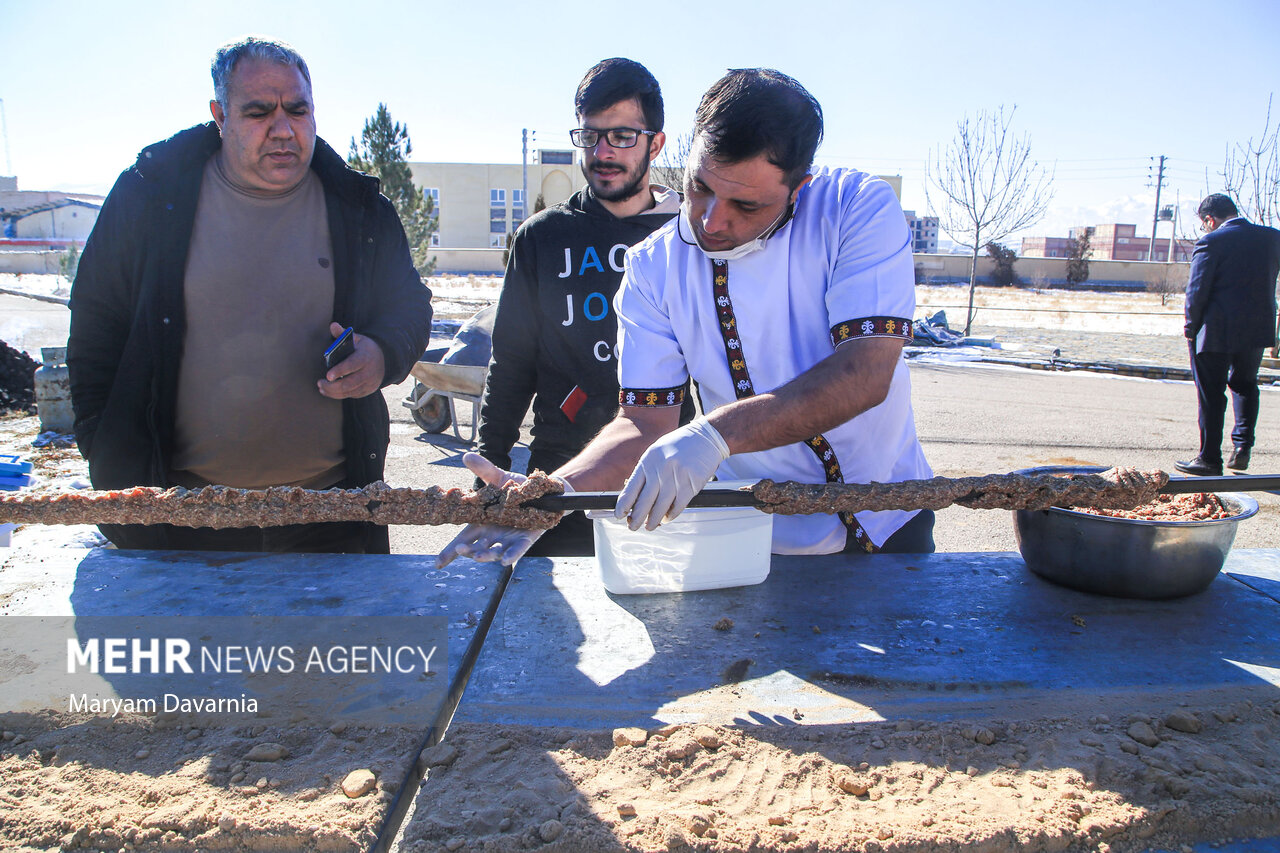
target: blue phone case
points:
(341, 349)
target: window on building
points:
(497, 211)
(433, 193)
(517, 206)
(435, 240)
(498, 241)
(557, 157)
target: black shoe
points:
(1199, 468)
(1239, 459)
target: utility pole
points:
(526, 136)
(1151, 250)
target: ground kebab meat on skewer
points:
(221, 506)
(1200, 506)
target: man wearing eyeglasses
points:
(786, 295)
(1230, 320)
(555, 333)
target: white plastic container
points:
(701, 549)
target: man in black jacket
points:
(223, 264)
(1231, 319)
(555, 333)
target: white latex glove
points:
(670, 473)
(491, 543)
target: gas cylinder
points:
(53, 391)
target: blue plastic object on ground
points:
(12, 465)
(13, 483)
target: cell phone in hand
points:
(342, 348)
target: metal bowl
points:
(1129, 558)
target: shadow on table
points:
(953, 650)
(839, 639)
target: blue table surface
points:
(840, 638)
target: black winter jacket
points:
(127, 311)
(555, 333)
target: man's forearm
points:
(605, 463)
(849, 382)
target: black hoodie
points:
(555, 334)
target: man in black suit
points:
(1231, 319)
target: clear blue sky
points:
(1099, 86)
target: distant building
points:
(924, 233)
(1046, 247)
(38, 218)
(479, 204)
(1112, 242)
(895, 183)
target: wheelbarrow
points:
(432, 399)
(456, 374)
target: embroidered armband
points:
(651, 397)
(871, 327)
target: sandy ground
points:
(1131, 779)
(1111, 775)
(170, 783)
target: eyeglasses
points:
(617, 137)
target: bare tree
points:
(1166, 280)
(669, 170)
(1251, 173)
(988, 186)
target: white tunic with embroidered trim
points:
(844, 256)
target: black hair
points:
(1218, 206)
(611, 81)
(752, 111)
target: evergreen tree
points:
(1078, 257)
(383, 152)
(1002, 273)
(69, 263)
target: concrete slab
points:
(234, 610)
(838, 639)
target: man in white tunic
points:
(787, 296)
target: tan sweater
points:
(259, 298)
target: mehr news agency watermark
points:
(365, 668)
(176, 656)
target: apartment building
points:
(1111, 242)
(924, 232)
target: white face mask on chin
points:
(737, 252)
